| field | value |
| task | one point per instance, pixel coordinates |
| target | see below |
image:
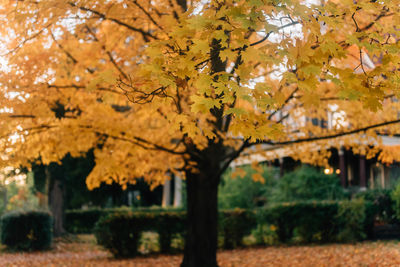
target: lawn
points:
(83, 251)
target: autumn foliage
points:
(160, 87)
(77, 71)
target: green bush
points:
(167, 224)
(395, 196)
(234, 225)
(120, 232)
(312, 221)
(351, 217)
(282, 216)
(83, 221)
(318, 221)
(307, 183)
(28, 231)
(243, 192)
(383, 201)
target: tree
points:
(186, 88)
(60, 183)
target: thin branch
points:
(116, 65)
(199, 65)
(355, 22)
(146, 35)
(80, 87)
(384, 13)
(140, 142)
(231, 157)
(40, 127)
(74, 60)
(147, 14)
(278, 29)
(318, 138)
(284, 103)
(33, 36)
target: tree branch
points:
(318, 138)
(269, 33)
(145, 144)
(146, 35)
(231, 157)
(147, 14)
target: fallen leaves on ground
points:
(88, 254)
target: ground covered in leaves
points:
(84, 252)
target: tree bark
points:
(202, 220)
(166, 196)
(56, 202)
(177, 192)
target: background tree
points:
(64, 187)
(171, 86)
(60, 183)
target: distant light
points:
(338, 171)
(327, 171)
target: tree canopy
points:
(172, 86)
(149, 83)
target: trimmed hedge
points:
(384, 201)
(320, 221)
(313, 221)
(304, 221)
(27, 231)
(120, 232)
(234, 225)
(84, 221)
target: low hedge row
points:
(234, 225)
(120, 231)
(318, 221)
(27, 231)
(322, 221)
(84, 221)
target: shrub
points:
(307, 183)
(383, 202)
(120, 232)
(351, 220)
(83, 221)
(167, 224)
(283, 217)
(234, 225)
(312, 221)
(395, 196)
(243, 192)
(319, 221)
(32, 230)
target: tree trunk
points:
(166, 196)
(56, 203)
(202, 216)
(177, 192)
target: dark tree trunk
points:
(202, 216)
(56, 202)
